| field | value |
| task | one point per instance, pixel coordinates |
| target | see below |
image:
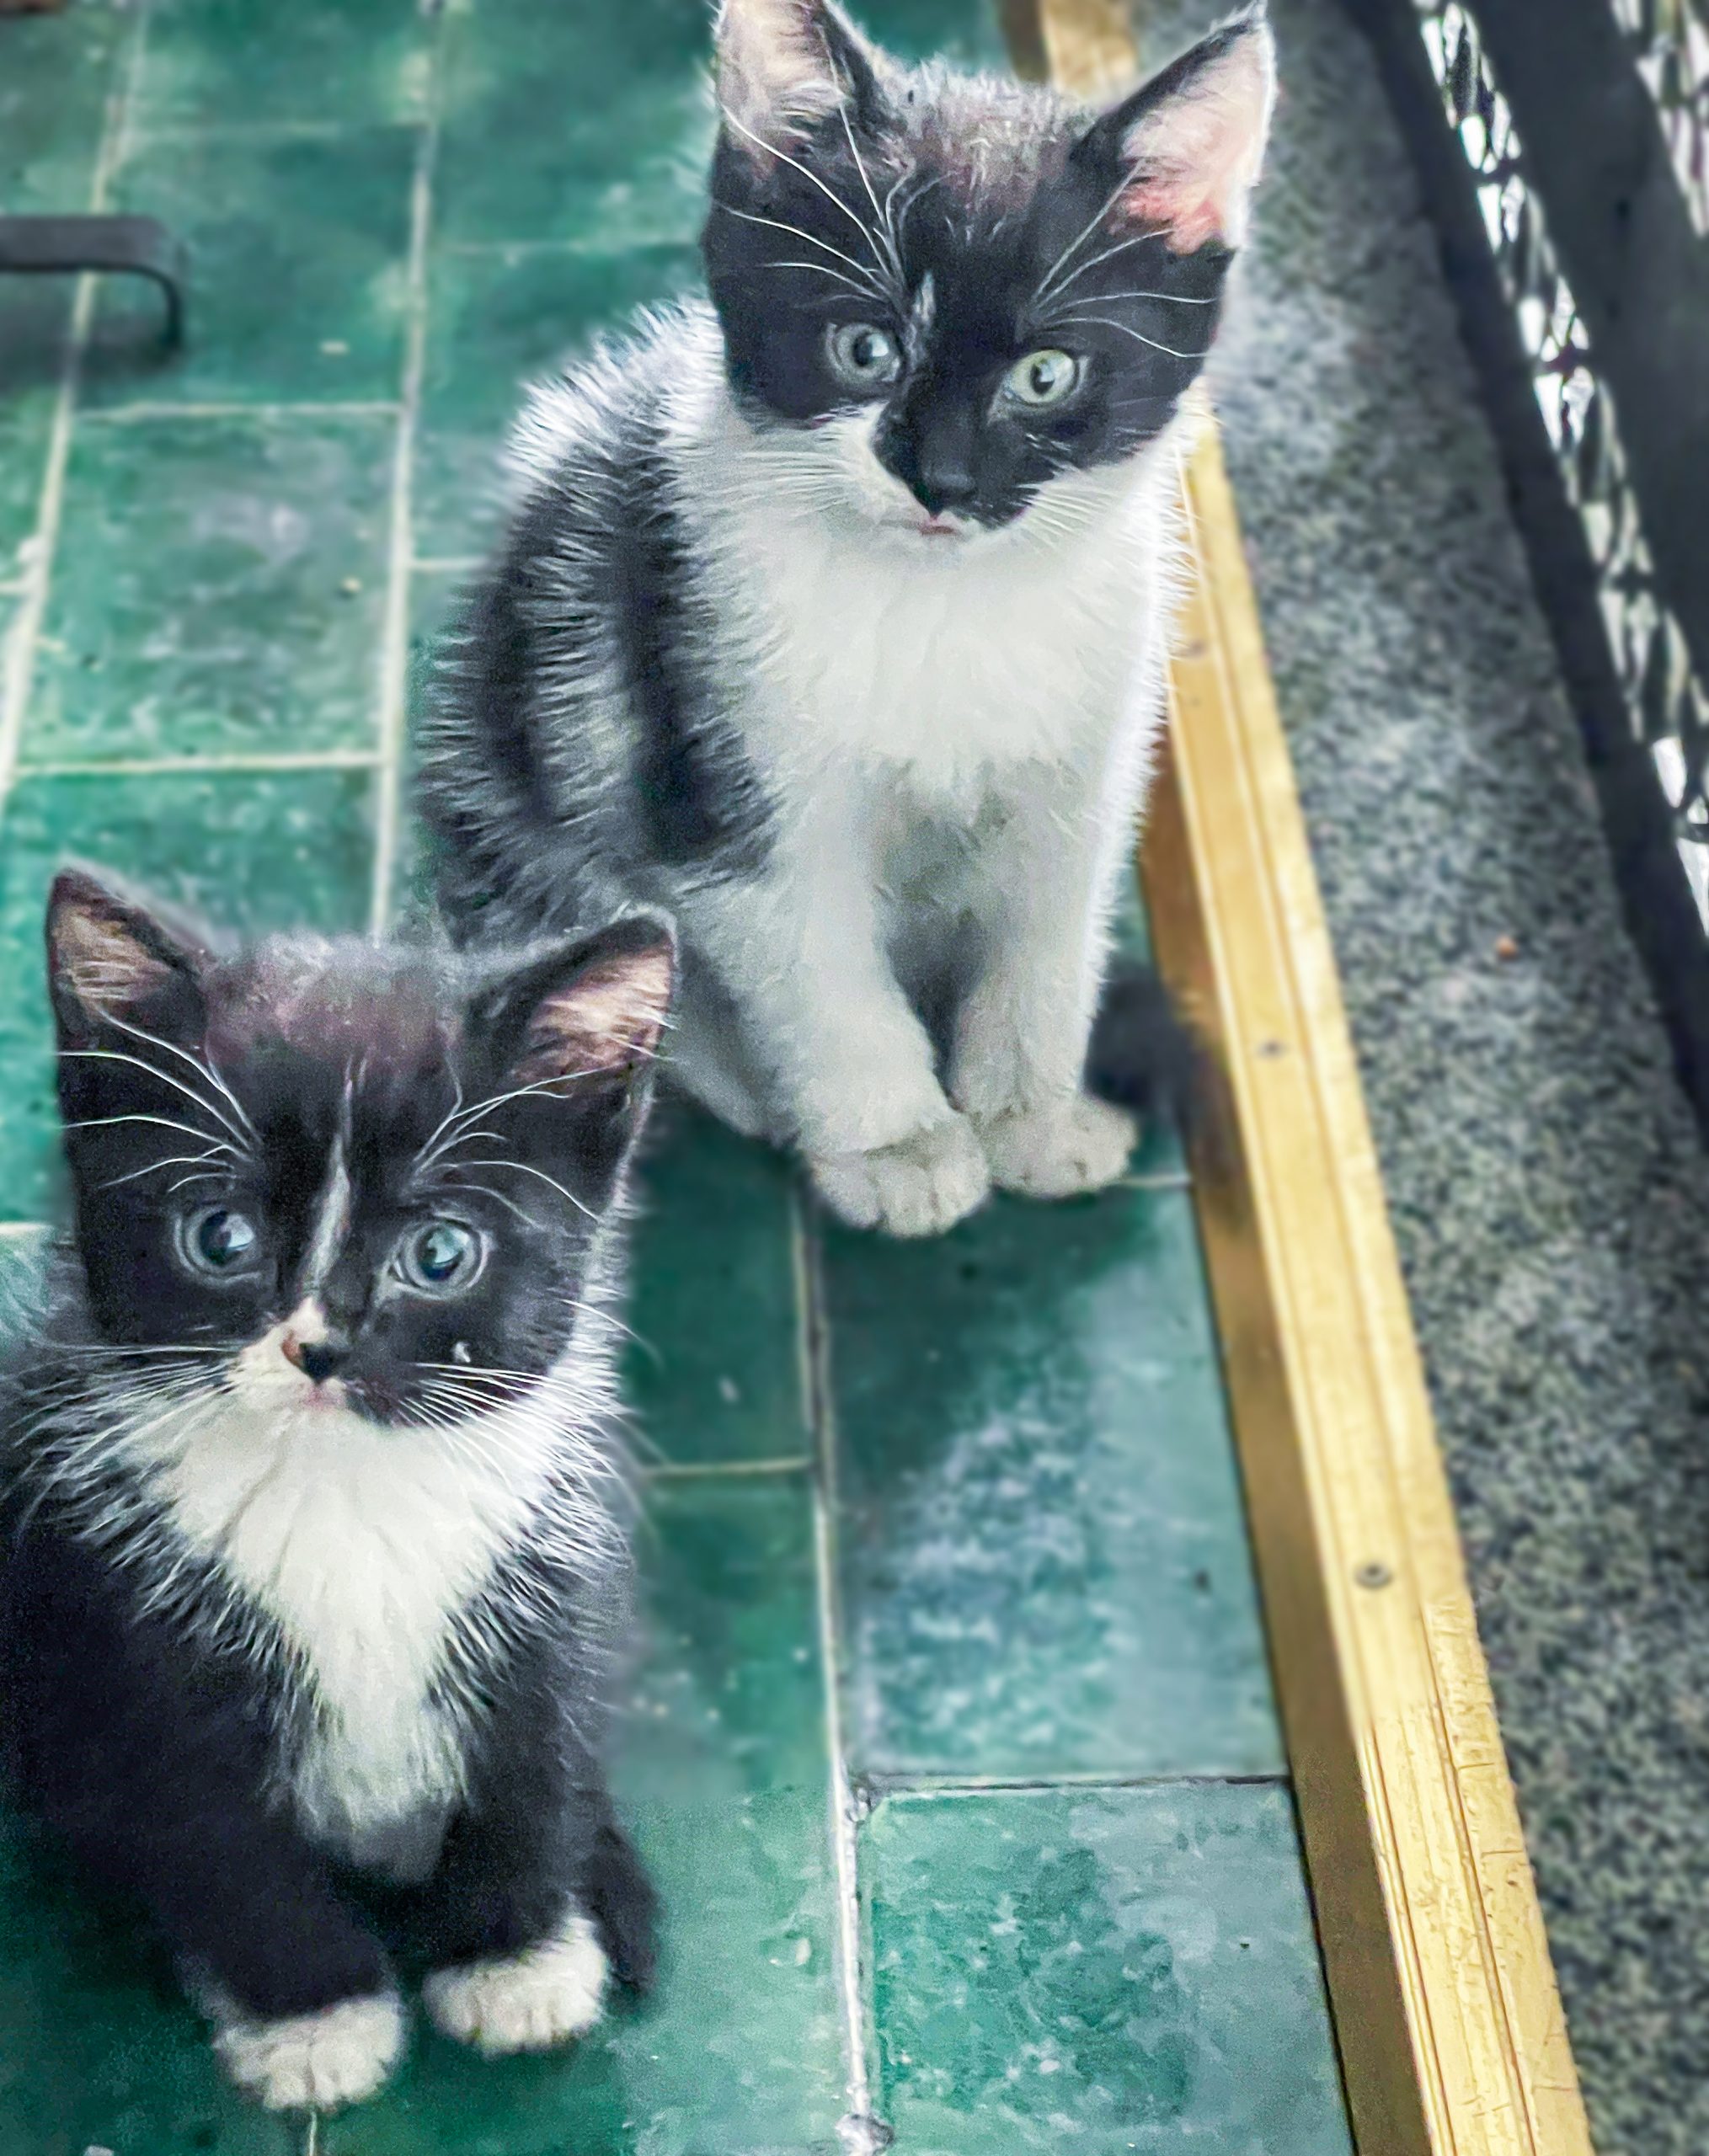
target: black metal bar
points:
(1595, 154)
(140, 247)
(1660, 912)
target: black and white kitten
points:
(313, 1554)
(833, 616)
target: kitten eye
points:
(440, 1259)
(1042, 378)
(216, 1241)
(863, 356)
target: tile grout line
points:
(22, 641)
(856, 2129)
(691, 1470)
(1078, 1784)
(265, 130)
(331, 408)
(322, 760)
(592, 250)
(394, 664)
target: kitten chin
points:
(311, 1538)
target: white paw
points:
(1056, 1151)
(525, 2002)
(920, 1187)
(314, 2062)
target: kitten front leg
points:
(800, 952)
(304, 2011)
(130, 1751)
(519, 1962)
(1020, 1040)
(538, 1898)
(340, 2054)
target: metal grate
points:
(1669, 40)
(1668, 703)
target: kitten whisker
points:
(204, 1066)
(184, 1183)
(164, 1077)
(599, 1313)
(884, 232)
(498, 1197)
(1047, 283)
(1108, 254)
(1106, 299)
(526, 1168)
(99, 1347)
(830, 194)
(1103, 322)
(431, 1152)
(450, 1116)
(896, 219)
(795, 232)
(161, 1121)
(171, 1160)
(824, 269)
(492, 1388)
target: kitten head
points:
(336, 1175)
(946, 298)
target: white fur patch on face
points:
(526, 2002)
(332, 1221)
(1197, 155)
(262, 1375)
(312, 2062)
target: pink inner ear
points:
(1196, 157)
(606, 1020)
(1188, 216)
(773, 71)
(102, 963)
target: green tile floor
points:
(952, 1743)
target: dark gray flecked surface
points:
(1547, 1187)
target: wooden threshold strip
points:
(1447, 2012)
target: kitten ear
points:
(1192, 139)
(589, 1011)
(111, 955)
(782, 65)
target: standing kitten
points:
(834, 617)
(311, 1559)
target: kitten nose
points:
(942, 481)
(931, 454)
(318, 1359)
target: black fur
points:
(152, 1712)
(1142, 1055)
(594, 585)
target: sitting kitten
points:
(312, 1555)
(833, 617)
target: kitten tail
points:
(1143, 1056)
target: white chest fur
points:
(364, 1545)
(856, 642)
